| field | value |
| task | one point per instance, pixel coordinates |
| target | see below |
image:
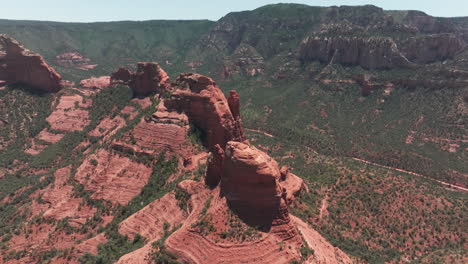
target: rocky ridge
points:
(20, 65)
(370, 53)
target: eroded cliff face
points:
(250, 182)
(431, 48)
(207, 108)
(369, 53)
(20, 65)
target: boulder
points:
(20, 65)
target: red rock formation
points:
(234, 104)
(207, 108)
(75, 60)
(291, 183)
(251, 185)
(70, 114)
(96, 82)
(60, 201)
(112, 177)
(165, 130)
(122, 75)
(19, 65)
(192, 246)
(149, 78)
(149, 222)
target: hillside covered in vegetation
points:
(368, 107)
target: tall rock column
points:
(251, 184)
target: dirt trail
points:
(324, 207)
(456, 187)
(260, 132)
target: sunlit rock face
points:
(20, 65)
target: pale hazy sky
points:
(113, 10)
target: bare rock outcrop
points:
(70, 114)
(75, 60)
(149, 78)
(207, 108)
(251, 185)
(245, 60)
(234, 103)
(164, 130)
(122, 75)
(291, 183)
(112, 177)
(149, 222)
(430, 48)
(20, 65)
(369, 53)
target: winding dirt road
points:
(456, 187)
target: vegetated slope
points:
(322, 109)
(107, 46)
(350, 80)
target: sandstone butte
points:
(240, 179)
(20, 65)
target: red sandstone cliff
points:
(20, 65)
(207, 108)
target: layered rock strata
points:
(369, 53)
(206, 106)
(251, 184)
(164, 130)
